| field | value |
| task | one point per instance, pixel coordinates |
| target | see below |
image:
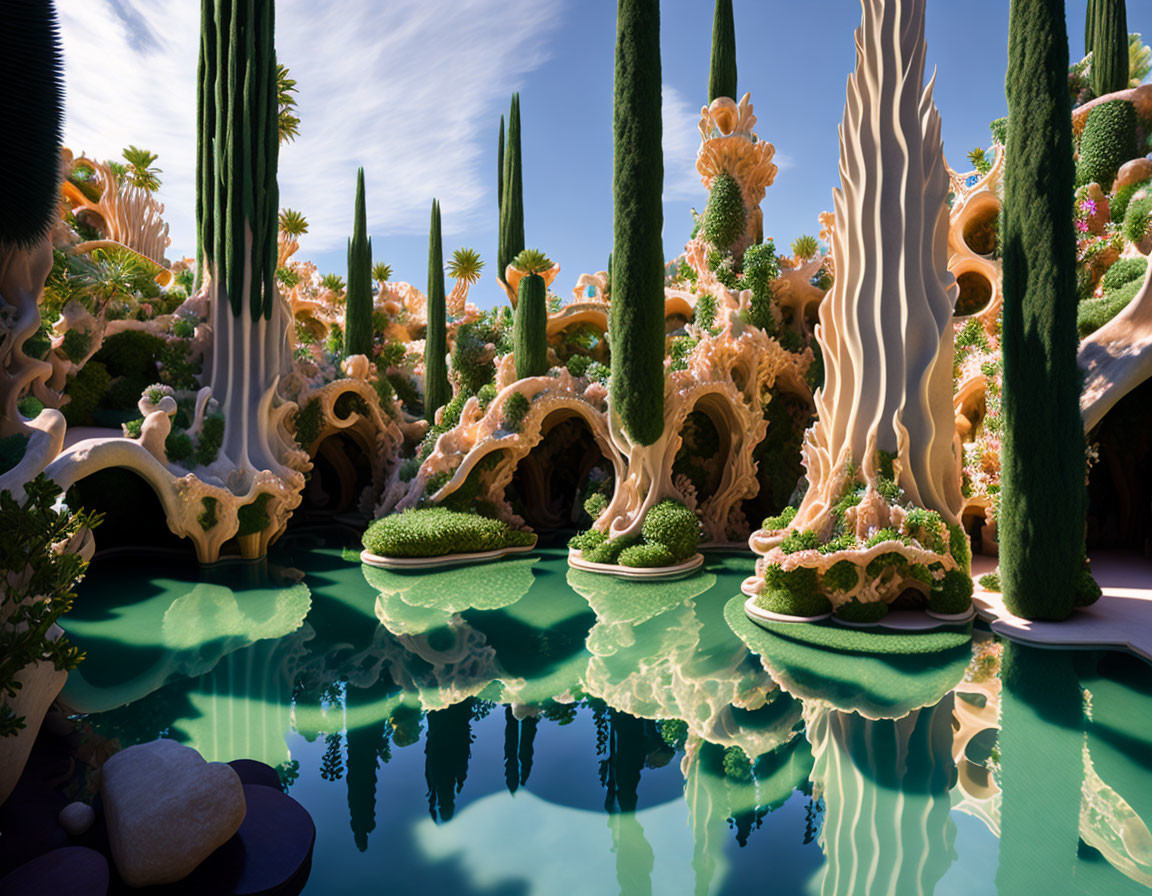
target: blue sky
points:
(413, 91)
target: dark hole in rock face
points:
(910, 599)
(982, 232)
(551, 483)
(702, 455)
(133, 515)
(975, 293)
(340, 473)
(778, 458)
(974, 523)
(1120, 483)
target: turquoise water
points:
(519, 728)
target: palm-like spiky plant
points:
(381, 273)
(532, 261)
(139, 171)
(289, 123)
(292, 223)
(334, 283)
(805, 247)
(465, 266)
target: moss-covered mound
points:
(436, 532)
(670, 535)
(1109, 140)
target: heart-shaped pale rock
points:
(167, 810)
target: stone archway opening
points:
(1120, 483)
(705, 447)
(341, 471)
(778, 459)
(552, 481)
(133, 514)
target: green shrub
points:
(123, 393)
(515, 410)
(674, 526)
(436, 531)
(178, 447)
(84, 391)
(1085, 587)
(959, 546)
(842, 576)
(586, 541)
(1136, 219)
(646, 556)
(76, 344)
(599, 372)
(737, 766)
(792, 593)
(862, 611)
(529, 331)
(1118, 207)
(780, 521)
(927, 527)
(1108, 140)
(1092, 314)
(609, 551)
(32, 601)
(724, 216)
(596, 504)
(953, 594)
(761, 267)
(806, 540)
(990, 581)
(207, 518)
(132, 353)
(253, 517)
(486, 395)
(706, 311)
(133, 428)
(12, 449)
(999, 129)
(210, 440)
(1124, 271)
(578, 365)
(307, 424)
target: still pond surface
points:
(520, 728)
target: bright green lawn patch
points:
(436, 531)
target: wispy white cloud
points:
(681, 141)
(407, 89)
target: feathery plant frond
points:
(805, 247)
(381, 272)
(465, 265)
(139, 171)
(1139, 60)
(333, 282)
(532, 261)
(289, 123)
(292, 223)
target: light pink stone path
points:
(1122, 618)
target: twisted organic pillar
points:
(237, 204)
(884, 442)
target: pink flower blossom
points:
(1082, 226)
(1088, 206)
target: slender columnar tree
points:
(637, 311)
(529, 329)
(1090, 25)
(722, 74)
(437, 392)
(1042, 520)
(358, 304)
(32, 118)
(512, 197)
(1110, 47)
(237, 203)
(500, 175)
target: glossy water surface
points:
(519, 728)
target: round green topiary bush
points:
(1124, 271)
(587, 541)
(954, 594)
(437, 531)
(1108, 141)
(1136, 219)
(673, 525)
(725, 215)
(646, 556)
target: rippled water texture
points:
(519, 728)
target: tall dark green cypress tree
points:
(722, 74)
(530, 328)
(238, 143)
(32, 112)
(358, 301)
(512, 199)
(500, 174)
(437, 391)
(1090, 25)
(1110, 47)
(636, 324)
(1042, 517)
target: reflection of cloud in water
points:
(525, 845)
